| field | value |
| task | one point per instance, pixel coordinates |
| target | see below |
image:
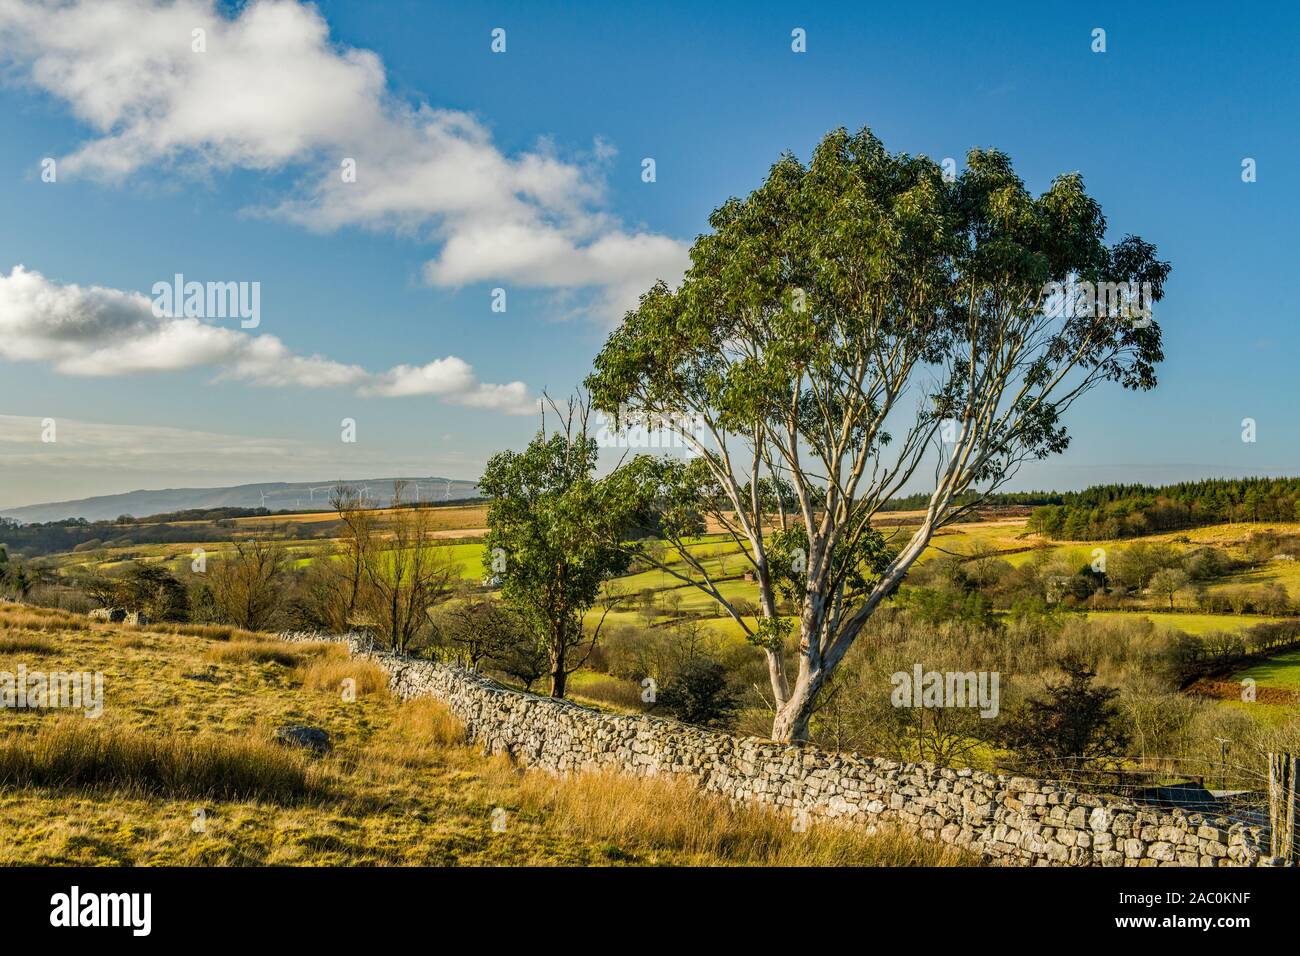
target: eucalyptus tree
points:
(851, 321)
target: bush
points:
(1074, 726)
(699, 694)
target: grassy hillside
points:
(181, 769)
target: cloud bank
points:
(96, 331)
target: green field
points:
(1187, 623)
(1282, 671)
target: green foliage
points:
(939, 605)
(804, 323)
(699, 693)
(553, 537)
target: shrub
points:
(699, 694)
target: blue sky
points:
(1158, 124)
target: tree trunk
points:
(558, 674)
(790, 726)
(793, 714)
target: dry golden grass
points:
(184, 733)
(426, 722)
(648, 818)
(329, 674)
(266, 651)
(47, 620)
(216, 632)
(77, 754)
(18, 643)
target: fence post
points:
(1282, 805)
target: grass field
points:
(1188, 623)
(181, 769)
(1282, 671)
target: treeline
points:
(921, 499)
(78, 534)
(173, 527)
(1220, 652)
(1127, 511)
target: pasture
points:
(182, 769)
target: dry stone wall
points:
(1007, 819)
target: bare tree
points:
(247, 585)
(406, 573)
(349, 570)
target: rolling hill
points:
(275, 495)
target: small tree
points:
(479, 631)
(344, 578)
(1167, 582)
(558, 530)
(155, 591)
(151, 589)
(407, 574)
(1073, 725)
(247, 585)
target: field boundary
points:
(1006, 819)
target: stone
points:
(311, 738)
(1161, 851)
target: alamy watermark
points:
(42, 690)
(665, 432)
(209, 300)
(133, 911)
(920, 688)
(1127, 300)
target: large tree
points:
(819, 308)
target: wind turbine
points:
(263, 494)
(312, 491)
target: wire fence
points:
(1238, 793)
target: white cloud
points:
(272, 91)
(452, 379)
(95, 331)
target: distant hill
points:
(273, 495)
